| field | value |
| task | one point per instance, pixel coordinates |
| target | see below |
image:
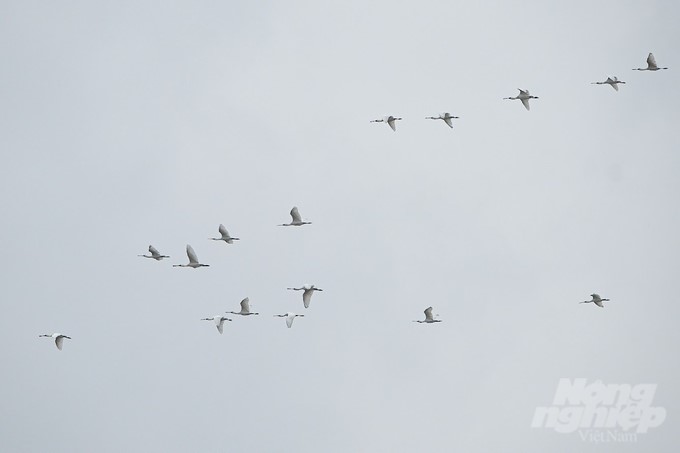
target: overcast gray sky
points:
(125, 124)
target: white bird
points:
(596, 299)
(308, 291)
(193, 260)
(297, 218)
(611, 81)
(290, 317)
(245, 309)
(443, 116)
(428, 316)
(154, 254)
(651, 64)
(58, 338)
(523, 96)
(225, 235)
(389, 120)
(219, 322)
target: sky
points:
(151, 122)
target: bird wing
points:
(192, 255)
(307, 297)
(521, 91)
(428, 314)
(59, 341)
(289, 320)
(526, 103)
(245, 305)
(391, 123)
(651, 61)
(219, 322)
(153, 251)
(295, 214)
(447, 120)
(595, 296)
(599, 303)
(615, 86)
(223, 231)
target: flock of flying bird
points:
(297, 220)
(523, 96)
(308, 290)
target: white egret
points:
(428, 316)
(58, 339)
(297, 218)
(290, 317)
(193, 259)
(651, 64)
(611, 81)
(154, 254)
(389, 120)
(523, 96)
(446, 116)
(308, 291)
(225, 235)
(596, 299)
(245, 309)
(219, 322)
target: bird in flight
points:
(224, 235)
(428, 317)
(154, 254)
(651, 64)
(245, 309)
(297, 218)
(290, 317)
(596, 299)
(58, 339)
(447, 117)
(219, 322)
(523, 96)
(611, 81)
(308, 291)
(193, 259)
(389, 120)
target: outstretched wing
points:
(390, 121)
(289, 321)
(428, 314)
(526, 103)
(651, 61)
(245, 305)
(193, 259)
(599, 303)
(295, 214)
(447, 120)
(59, 341)
(153, 251)
(307, 297)
(223, 231)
